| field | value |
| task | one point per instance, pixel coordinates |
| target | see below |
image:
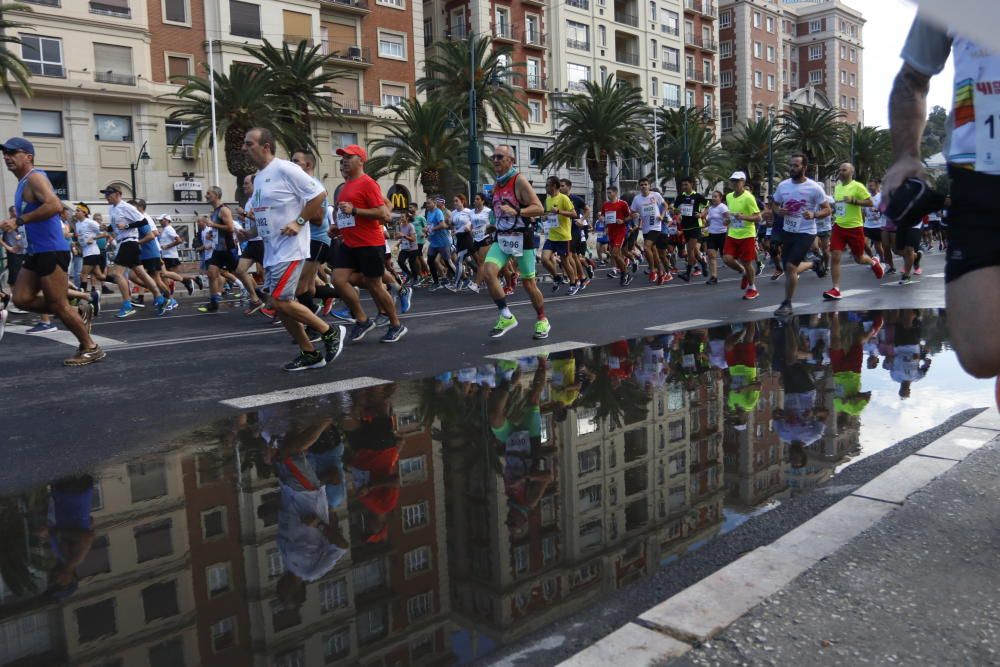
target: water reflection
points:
(432, 521)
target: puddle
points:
(433, 521)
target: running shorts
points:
(662, 241)
(318, 251)
(171, 262)
(92, 260)
(224, 259)
(717, 242)
(616, 235)
(579, 247)
(873, 234)
(908, 237)
(560, 248)
(281, 280)
(744, 250)
(525, 263)
(152, 264)
(485, 243)
(128, 254)
(794, 247)
(44, 263)
(652, 236)
(254, 251)
(369, 261)
(848, 237)
(973, 242)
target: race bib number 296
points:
(511, 244)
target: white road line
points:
(768, 309)
(133, 320)
(296, 393)
(64, 337)
(853, 292)
(679, 326)
(896, 284)
(514, 355)
(121, 345)
(935, 275)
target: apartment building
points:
(774, 54)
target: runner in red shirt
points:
(615, 212)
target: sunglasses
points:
(13, 152)
(497, 157)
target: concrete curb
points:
(706, 608)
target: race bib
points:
(511, 244)
(263, 228)
(734, 222)
(841, 209)
(344, 221)
(793, 223)
(687, 210)
(610, 218)
(987, 132)
(687, 360)
(648, 212)
(671, 230)
(519, 442)
(614, 363)
(551, 221)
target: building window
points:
(398, 4)
(652, 11)
(602, 36)
(167, 654)
(116, 8)
(758, 79)
(244, 19)
(673, 22)
(671, 59)
(604, 74)
(843, 101)
(843, 52)
(391, 45)
(726, 78)
(726, 49)
(843, 76)
(393, 94)
(726, 20)
(520, 559)
(275, 564)
(577, 75)
(578, 35)
(689, 103)
(816, 52)
(341, 139)
(36, 123)
(153, 540)
(727, 121)
(535, 156)
(854, 103)
(532, 31)
(771, 54)
(213, 523)
(419, 606)
(217, 578)
(816, 76)
(412, 469)
(371, 625)
(534, 111)
(756, 19)
(589, 460)
(416, 516)
(417, 560)
(42, 55)
(770, 82)
(223, 634)
(175, 11)
(854, 55)
(368, 576)
(652, 49)
(815, 25)
(758, 50)
(337, 645)
(160, 600)
(671, 95)
(96, 621)
(178, 66)
(769, 23)
(332, 595)
(853, 80)
(113, 64)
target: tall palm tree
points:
(305, 77)
(12, 68)
(872, 151)
(746, 149)
(608, 120)
(815, 132)
(244, 99)
(446, 77)
(705, 159)
(423, 140)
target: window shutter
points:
(116, 59)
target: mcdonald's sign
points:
(399, 197)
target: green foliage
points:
(12, 68)
(746, 149)
(934, 132)
(817, 133)
(872, 153)
(705, 160)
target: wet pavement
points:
(436, 521)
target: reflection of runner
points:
(847, 357)
(70, 531)
(372, 461)
(908, 361)
(744, 387)
(798, 422)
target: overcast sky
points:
(887, 22)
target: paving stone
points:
(988, 419)
(904, 478)
(959, 443)
(631, 645)
(833, 528)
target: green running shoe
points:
(542, 328)
(503, 325)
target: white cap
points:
(165, 217)
(738, 176)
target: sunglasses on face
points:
(497, 157)
(13, 152)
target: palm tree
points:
(304, 77)
(12, 68)
(446, 78)
(705, 159)
(746, 149)
(815, 132)
(608, 120)
(423, 140)
(872, 151)
(244, 99)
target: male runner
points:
(37, 210)
(361, 210)
(558, 223)
(285, 199)
(740, 250)
(150, 254)
(580, 228)
(420, 228)
(253, 252)
(125, 223)
(800, 201)
(690, 203)
(647, 207)
(514, 204)
(614, 213)
(170, 241)
(873, 227)
(319, 243)
(849, 198)
(226, 255)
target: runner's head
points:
(644, 186)
(352, 160)
(66, 213)
(413, 208)
(259, 145)
(202, 221)
(430, 204)
(440, 203)
(503, 159)
(140, 204)
(797, 164)
(214, 195)
(305, 159)
(165, 220)
(82, 211)
(687, 185)
(565, 186)
(112, 194)
(612, 193)
(248, 185)
(552, 185)
(479, 201)
(845, 173)
(18, 155)
(738, 181)
(874, 185)
(459, 201)
(717, 197)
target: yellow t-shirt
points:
(849, 215)
(562, 231)
(745, 204)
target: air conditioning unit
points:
(190, 152)
(354, 53)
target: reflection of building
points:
(755, 459)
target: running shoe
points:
(653, 276)
(751, 294)
(172, 304)
(573, 289)
(43, 328)
(905, 280)
(634, 266)
(613, 273)
(784, 310)
(590, 271)
(137, 301)
(696, 272)
(3, 321)
(188, 286)
(628, 279)
(777, 274)
(877, 268)
(344, 314)
(452, 287)
(542, 328)
(503, 325)
(832, 294)
(160, 304)
(305, 361)
(508, 290)
(87, 315)
(686, 276)
(269, 312)
(406, 297)
(473, 286)
(436, 287)
(126, 311)
(333, 341)
(712, 281)
(822, 271)
(556, 284)
(760, 267)
(586, 284)
(381, 320)
(197, 281)
(254, 307)
(744, 282)
(890, 271)
(917, 271)
(393, 334)
(84, 357)
(327, 306)
(359, 329)
(210, 307)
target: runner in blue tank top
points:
(37, 208)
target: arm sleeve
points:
(927, 47)
(303, 185)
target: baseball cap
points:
(111, 188)
(353, 149)
(738, 176)
(440, 200)
(18, 144)
(165, 217)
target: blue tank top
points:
(45, 236)
(150, 250)
(321, 232)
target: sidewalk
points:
(903, 571)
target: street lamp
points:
(687, 154)
(770, 150)
(134, 166)
(473, 131)
(656, 154)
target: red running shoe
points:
(877, 268)
(745, 282)
(832, 294)
(751, 294)
(653, 276)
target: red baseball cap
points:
(353, 149)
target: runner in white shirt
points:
(87, 232)
(284, 201)
(716, 215)
(170, 242)
(253, 252)
(647, 207)
(125, 223)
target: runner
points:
(319, 244)
(406, 238)
(285, 199)
(558, 224)
(514, 204)
(615, 212)
(482, 236)
(740, 250)
(149, 253)
(461, 219)
(647, 208)
(849, 198)
(225, 255)
(253, 252)
(420, 226)
(800, 201)
(717, 217)
(873, 228)
(579, 229)
(89, 232)
(690, 203)
(439, 242)
(125, 221)
(37, 211)
(170, 241)
(360, 210)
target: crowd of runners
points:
(301, 259)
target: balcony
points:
(702, 7)
(293, 41)
(627, 58)
(534, 39)
(579, 4)
(118, 11)
(535, 82)
(348, 6)
(537, 3)
(115, 78)
(47, 3)
(577, 86)
(705, 78)
(667, 30)
(701, 42)
(672, 102)
(577, 44)
(627, 19)
(504, 32)
(347, 54)
(457, 33)
(671, 67)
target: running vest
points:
(42, 236)
(507, 194)
(975, 117)
(228, 238)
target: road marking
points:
(64, 337)
(680, 326)
(935, 275)
(296, 393)
(853, 292)
(514, 355)
(768, 309)
(897, 284)
(132, 320)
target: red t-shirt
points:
(620, 208)
(361, 192)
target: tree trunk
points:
(238, 162)
(598, 171)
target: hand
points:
(808, 215)
(122, 226)
(346, 207)
(902, 169)
(508, 210)
(291, 229)
(8, 225)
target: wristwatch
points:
(19, 221)
(302, 221)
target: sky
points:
(886, 26)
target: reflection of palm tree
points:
(463, 425)
(619, 402)
(16, 558)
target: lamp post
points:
(852, 146)
(656, 153)
(473, 130)
(687, 153)
(770, 150)
(134, 166)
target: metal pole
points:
(473, 135)
(131, 168)
(852, 146)
(770, 157)
(211, 88)
(687, 156)
(656, 153)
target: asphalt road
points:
(166, 375)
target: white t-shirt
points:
(480, 221)
(169, 235)
(207, 242)
(717, 217)
(281, 191)
(404, 231)
(873, 216)
(826, 224)
(125, 214)
(797, 198)
(86, 232)
(461, 220)
(649, 211)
